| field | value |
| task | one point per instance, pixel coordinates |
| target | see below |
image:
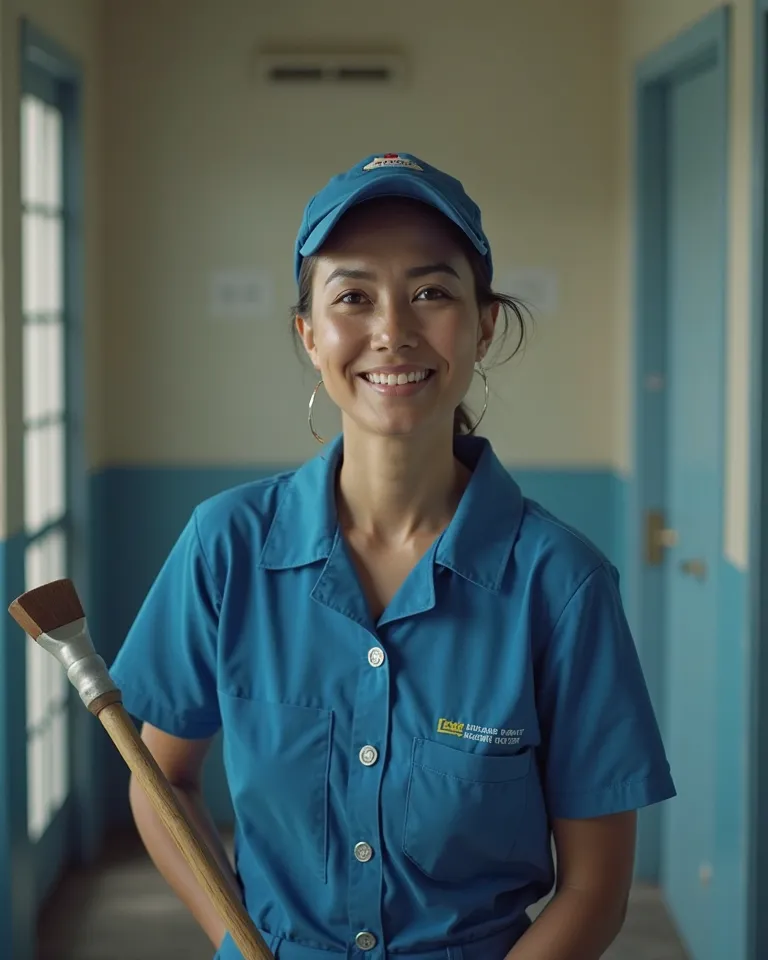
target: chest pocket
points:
(277, 758)
(464, 811)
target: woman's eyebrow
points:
(345, 273)
(431, 268)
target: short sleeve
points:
(601, 747)
(166, 667)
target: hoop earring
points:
(315, 434)
(479, 370)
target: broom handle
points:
(142, 764)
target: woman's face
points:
(395, 329)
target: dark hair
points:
(513, 312)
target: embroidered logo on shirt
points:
(449, 726)
(392, 160)
(470, 731)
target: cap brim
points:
(395, 185)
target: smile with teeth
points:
(397, 379)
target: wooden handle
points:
(126, 738)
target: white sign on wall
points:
(537, 286)
(241, 294)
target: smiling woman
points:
(422, 677)
(417, 232)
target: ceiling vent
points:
(353, 69)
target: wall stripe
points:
(139, 512)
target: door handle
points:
(658, 537)
(694, 568)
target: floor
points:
(124, 911)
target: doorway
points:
(757, 916)
(677, 503)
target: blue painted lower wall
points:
(142, 511)
(27, 872)
(138, 513)
(17, 879)
(136, 516)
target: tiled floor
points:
(125, 911)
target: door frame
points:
(53, 73)
(757, 888)
(705, 42)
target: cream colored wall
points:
(645, 25)
(75, 25)
(205, 169)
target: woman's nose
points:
(396, 327)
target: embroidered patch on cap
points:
(392, 160)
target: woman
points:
(422, 677)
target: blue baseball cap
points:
(389, 175)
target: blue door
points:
(694, 456)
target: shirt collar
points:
(305, 523)
(476, 545)
(479, 539)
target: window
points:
(45, 442)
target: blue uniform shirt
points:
(394, 781)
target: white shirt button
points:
(375, 656)
(368, 756)
(365, 940)
(363, 852)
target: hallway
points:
(123, 910)
(161, 165)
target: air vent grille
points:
(286, 68)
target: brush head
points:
(47, 607)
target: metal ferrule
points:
(73, 648)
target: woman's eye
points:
(431, 293)
(352, 298)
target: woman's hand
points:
(595, 865)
